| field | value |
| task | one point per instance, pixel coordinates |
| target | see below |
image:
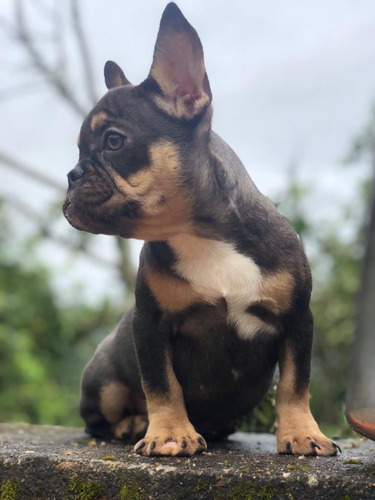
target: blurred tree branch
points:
(38, 176)
(28, 36)
(127, 271)
(54, 76)
(360, 395)
(85, 53)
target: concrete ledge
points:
(46, 462)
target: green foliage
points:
(43, 346)
(363, 144)
(262, 418)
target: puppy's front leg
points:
(169, 432)
(297, 431)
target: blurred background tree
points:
(43, 345)
(46, 341)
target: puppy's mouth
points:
(105, 212)
(79, 218)
(94, 204)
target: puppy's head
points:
(138, 143)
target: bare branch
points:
(61, 62)
(85, 53)
(13, 164)
(39, 62)
(127, 271)
(45, 9)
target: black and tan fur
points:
(223, 286)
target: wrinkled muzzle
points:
(88, 204)
(89, 184)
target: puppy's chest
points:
(215, 270)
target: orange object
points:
(362, 421)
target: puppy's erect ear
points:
(178, 67)
(114, 76)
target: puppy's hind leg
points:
(113, 411)
(108, 405)
(124, 410)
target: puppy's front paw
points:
(304, 439)
(181, 441)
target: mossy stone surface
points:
(42, 462)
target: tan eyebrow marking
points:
(98, 120)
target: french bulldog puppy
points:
(223, 286)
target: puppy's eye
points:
(114, 142)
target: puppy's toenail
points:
(140, 446)
(315, 445)
(336, 446)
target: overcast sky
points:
(291, 81)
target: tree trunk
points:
(360, 397)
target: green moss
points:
(245, 470)
(353, 461)
(250, 491)
(85, 491)
(132, 491)
(108, 457)
(368, 469)
(202, 485)
(9, 490)
(299, 467)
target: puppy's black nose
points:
(75, 174)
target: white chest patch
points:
(215, 269)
